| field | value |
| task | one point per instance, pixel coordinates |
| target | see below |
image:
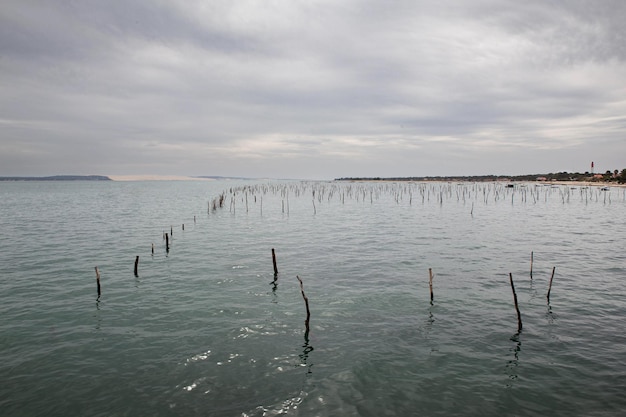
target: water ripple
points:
(204, 329)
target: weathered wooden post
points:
(274, 262)
(98, 281)
(306, 304)
(136, 265)
(550, 286)
(430, 284)
(519, 317)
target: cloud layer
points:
(316, 89)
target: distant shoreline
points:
(126, 178)
(583, 183)
(546, 183)
(157, 178)
(573, 183)
(115, 178)
(59, 178)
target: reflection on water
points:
(512, 364)
(304, 356)
(550, 315)
(274, 285)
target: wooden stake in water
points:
(153, 249)
(274, 262)
(430, 283)
(98, 281)
(519, 317)
(136, 265)
(531, 265)
(167, 242)
(306, 304)
(550, 286)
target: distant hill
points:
(59, 178)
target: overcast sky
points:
(312, 89)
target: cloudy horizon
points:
(313, 90)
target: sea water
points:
(206, 328)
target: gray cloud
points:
(311, 89)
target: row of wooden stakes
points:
(306, 300)
(519, 317)
(304, 297)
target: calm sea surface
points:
(204, 330)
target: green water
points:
(204, 329)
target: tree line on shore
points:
(608, 176)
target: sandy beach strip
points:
(156, 178)
(582, 183)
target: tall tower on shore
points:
(591, 167)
